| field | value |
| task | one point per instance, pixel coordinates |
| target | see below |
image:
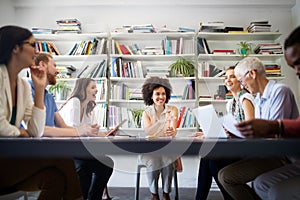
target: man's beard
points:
(51, 79)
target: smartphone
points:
(118, 126)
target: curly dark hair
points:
(153, 83)
(293, 38)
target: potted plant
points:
(60, 90)
(245, 48)
(182, 67)
(137, 116)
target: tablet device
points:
(117, 127)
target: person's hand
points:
(112, 132)
(257, 128)
(87, 130)
(170, 132)
(24, 133)
(95, 126)
(38, 76)
(198, 134)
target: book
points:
(200, 46)
(124, 49)
(206, 47)
(54, 49)
(223, 51)
(181, 114)
(184, 29)
(119, 51)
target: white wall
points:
(100, 15)
(7, 12)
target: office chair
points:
(137, 186)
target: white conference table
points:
(86, 147)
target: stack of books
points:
(259, 26)
(228, 95)
(152, 50)
(158, 71)
(36, 30)
(223, 51)
(273, 70)
(268, 48)
(65, 71)
(212, 27)
(68, 26)
(143, 28)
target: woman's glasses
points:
(30, 43)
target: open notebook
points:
(210, 123)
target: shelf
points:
(70, 58)
(239, 36)
(236, 57)
(178, 101)
(218, 79)
(69, 36)
(63, 101)
(203, 85)
(74, 79)
(212, 101)
(151, 36)
(141, 80)
(154, 57)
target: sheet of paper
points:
(209, 122)
(229, 124)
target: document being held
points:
(229, 124)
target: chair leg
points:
(176, 185)
(26, 196)
(137, 186)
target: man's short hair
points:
(45, 57)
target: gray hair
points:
(249, 63)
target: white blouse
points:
(70, 112)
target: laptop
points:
(210, 123)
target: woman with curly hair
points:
(159, 120)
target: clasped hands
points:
(93, 131)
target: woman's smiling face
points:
(159, 96)
(91, 91)
(231, 82)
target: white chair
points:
(137, 186)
